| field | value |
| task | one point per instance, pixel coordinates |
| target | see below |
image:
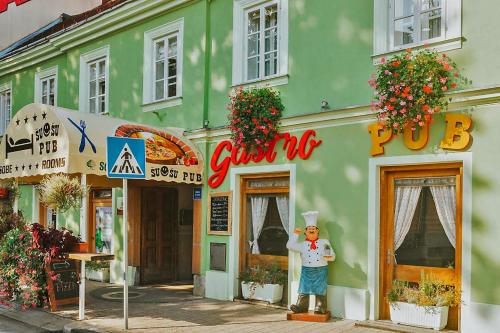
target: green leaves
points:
(254, 117)
(410, 88)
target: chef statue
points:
(315, 254)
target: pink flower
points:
(418, 117)
(395, 125)
(410, 98)
(402, 111)
(403, 103)
(421, 123)
(382, 60)
(394, 112)
(443, 80)
(444, 88)
(387, 72)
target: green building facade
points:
(319, 54)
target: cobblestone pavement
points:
(162, 309)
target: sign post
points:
(126, 158)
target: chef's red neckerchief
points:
(313, 244)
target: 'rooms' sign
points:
(4, 4)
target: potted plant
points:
(61, 192)
(423, 305)
(97, 271)
(254, 117)
(264, 283)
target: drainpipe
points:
(208, 53)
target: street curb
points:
(46, 321)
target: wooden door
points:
(100, 216)
(159, 230)
(425, 249)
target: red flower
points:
(427, 89)
(425, 107)
(453, 85)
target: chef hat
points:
(311, 218)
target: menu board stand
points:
(65, 289)
(219, 213)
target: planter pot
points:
(81, 247)
(101, 275)
(271, 293)
(435, 317)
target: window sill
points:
(439, 46)
(167, 103)
(277, 80)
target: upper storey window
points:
(400, 24)
(260, 40)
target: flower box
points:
(435, 317)
(101, 275)
(81, 247)
(271, 293)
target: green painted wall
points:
(25, 201)
(330, 43)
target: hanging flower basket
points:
(410, 88)
(61, 192)
(254, 117)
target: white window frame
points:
(451, 29)
(5, 88)
(85, 61)
(45, 75)
(241, 8)
(150, 38)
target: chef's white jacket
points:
(310, 258)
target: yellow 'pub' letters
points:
(456, 137)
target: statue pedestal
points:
(308, 316)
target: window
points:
(265, 223)
(430, 240)
(46, 86)
(101, 221)
(163, 66)
(400, 24)
(5, 107)
(260, 40)
(94, 81)
(416, 21)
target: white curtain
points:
(406, 201)
(259, 210)
(446, 203)
(282, 203)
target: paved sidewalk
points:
(174, 309)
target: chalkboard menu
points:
(65, 288)
(219, 213)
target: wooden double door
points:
(421, 228)
(159, 214)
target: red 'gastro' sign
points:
(4, 4)
(306, 146)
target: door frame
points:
(234, 239)
(389, 272)
(92, 205)
(374, 186)
(245, 257)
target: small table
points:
(84, 257)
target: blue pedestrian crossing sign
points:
(126, 158)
